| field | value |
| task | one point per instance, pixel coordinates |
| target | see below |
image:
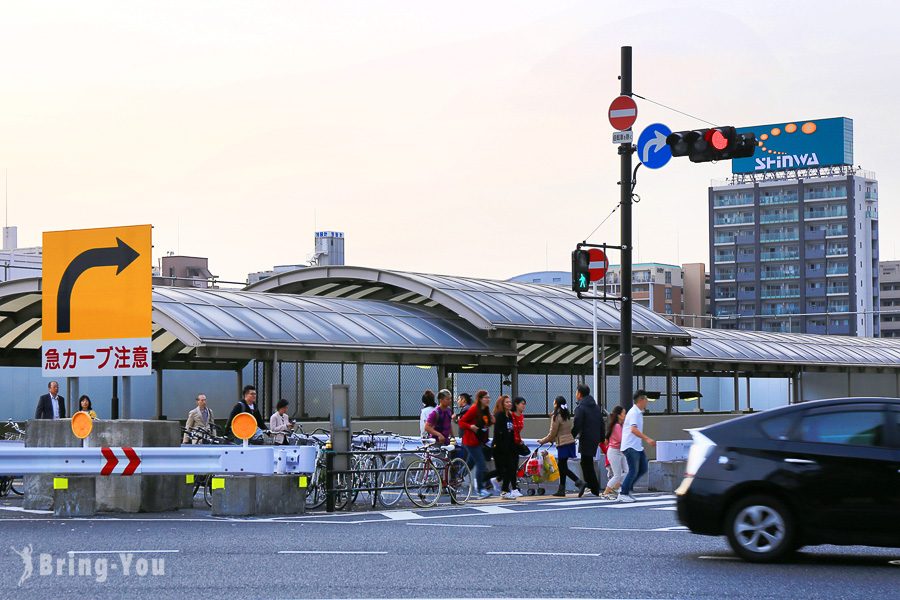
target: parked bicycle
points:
(205, 436)
(428, 477)
(392, 480)
(12, 483)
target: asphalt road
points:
(535, 549)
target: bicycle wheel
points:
(366, 480)
(459, 481)
(5, 485)
(422, 483)
(316, 493)
(207, 491)
(391, 479)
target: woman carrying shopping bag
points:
(561, 434)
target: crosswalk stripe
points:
(493, 510)
(639, 504)
(578, 502)
(402, 515)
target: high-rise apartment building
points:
(796, 249)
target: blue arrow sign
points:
(652, 149)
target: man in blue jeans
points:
(633, 439)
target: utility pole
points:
(625, 150)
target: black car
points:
(822, 472)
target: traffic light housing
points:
(717, 143)
(581, 277)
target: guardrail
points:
(183, 460)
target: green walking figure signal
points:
(581, 278)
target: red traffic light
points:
(716, 139)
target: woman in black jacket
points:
(504, 446)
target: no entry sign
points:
(598, 265)
(622, 113)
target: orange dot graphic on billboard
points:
(808, 128)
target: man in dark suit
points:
(52, 405)
(588, 428)
(246, 404)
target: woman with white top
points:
(428, 405)
(279, 423)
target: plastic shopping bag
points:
(533, 467)
(551, 468)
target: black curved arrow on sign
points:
(119, 256)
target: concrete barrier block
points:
(38, 492)
(666, 476)
(279, 495)
(234, 495)
(74, 496)
(185, 490)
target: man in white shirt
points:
(633, 439)
(51, 405)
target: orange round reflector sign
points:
(82, 423)
(243, 426)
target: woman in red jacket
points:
(475, 425)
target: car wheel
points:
(760, 529)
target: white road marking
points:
(33, 511)
(577, 502)
(657, 530)
(638, 504)
(542, 554)
(492, 509)
(331, 552)
(123, 552)
(666, 508)
(445, 525)
(718, 558)
(402, 515)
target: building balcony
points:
(818, 196)
(746, 238)
(815, 292)
(724, 258)
(815, 236)
(815, 329)
(838, 253)
(746, 258)
(819, 215)
(839, 329)
(779, 275)
(769, 200)
(731, 222)
(815, 273)
(746, 276)
(779, 256)
(766, 295)
(815, 253)
(779, 237)
(741, 201)
(838, 272)
(785, 218)
(742, 295)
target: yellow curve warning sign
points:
(97, 302)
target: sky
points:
(466, 138)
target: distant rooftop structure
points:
(18, 263)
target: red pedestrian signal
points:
(706, 145)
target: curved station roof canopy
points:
(353, 314)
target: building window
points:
(669, 277)
(668, 293)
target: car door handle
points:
(799, 461)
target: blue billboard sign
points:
(798, 145)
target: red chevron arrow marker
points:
(133, 461)
(111, 461)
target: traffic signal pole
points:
(625, 351)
